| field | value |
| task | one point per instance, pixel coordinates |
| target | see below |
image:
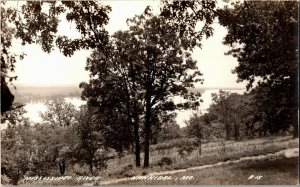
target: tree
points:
(154, 68)
(221, 108)
(90, 147)
(37, 22)
(15, 153)
(165, 68)
(237, 106)
(60, 116)
(257, 35)
(30, 25)
(185, 16)
(235, 111)
(59, 112)
(195, 128)
(7, 97)
(169, 130)
(246, 114)
(112, 92)
(14, 117)
(276, 114)
(16, 146)
(51, 149)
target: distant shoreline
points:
(77, 86)
(36, 93)
(46, 86)
(223, 88)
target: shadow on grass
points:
(278, 165)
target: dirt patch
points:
(291, 153)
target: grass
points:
(282, 171)
(211, 153)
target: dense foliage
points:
(65, 137)
(263, 37)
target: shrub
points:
(127, 171)
(165, 161)
(185, 150)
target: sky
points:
(41, 69)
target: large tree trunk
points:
(200, 147)
(296, 132)
(227, 131)
(15, 180)
(91, 167)
(236, 130)
(137, 145)
(62, 167)
(7, 98)
(147, 131)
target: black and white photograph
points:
(149, 92)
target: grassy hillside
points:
(275, 170)
(211, 153)
(281, 171)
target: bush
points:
(5, 180)
(127, 171)
(185, 150)
(165, 161)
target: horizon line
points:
(77, 85)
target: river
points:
(34, 109)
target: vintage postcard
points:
(150, 92)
